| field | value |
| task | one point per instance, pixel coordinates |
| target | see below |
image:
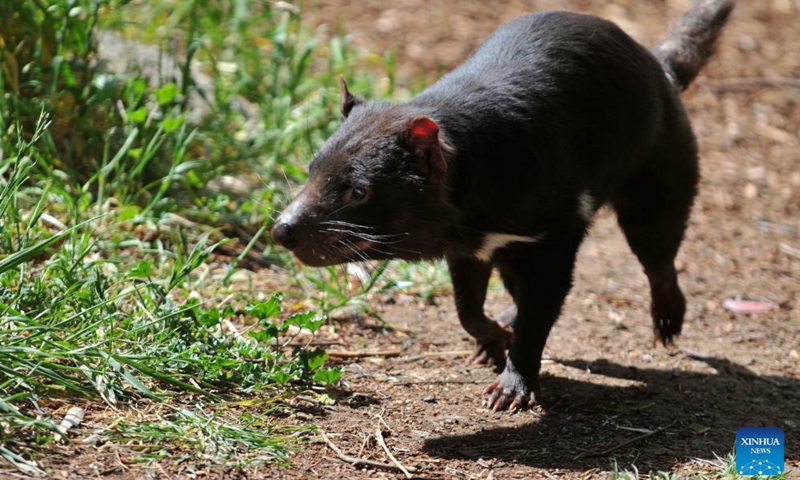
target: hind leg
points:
(653, 209)
(508, 315)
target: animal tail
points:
(691, 42)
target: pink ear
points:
(423, 130)
(422, 135)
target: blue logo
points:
(759, 451)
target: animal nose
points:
(284, 235)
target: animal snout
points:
(285, 235)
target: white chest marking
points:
(586, 206)
(495, 241)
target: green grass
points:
(109, 291)
(724, 468)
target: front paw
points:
(492, 344)
(510, 390)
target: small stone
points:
(750, 191)
(429, 399)
(747, 43)
(755, 173)
(783, 6)
(727, 328)
(388, 21)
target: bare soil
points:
(607, 391)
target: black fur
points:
(692, 41)
(554, 115)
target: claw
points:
(480, 357)
(510, 391)
(492, 345)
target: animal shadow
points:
(656, 419)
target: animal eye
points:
(358, 193)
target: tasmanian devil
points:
(503, 162)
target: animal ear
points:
(421, 137)
(348, 99)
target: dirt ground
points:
(606, 391)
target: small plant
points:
(73, 321)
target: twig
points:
(363, 444)
(789, 250)
(636, 439)
(637, 430)
(163, 471)
(53, 221)
(315, 343)
(380, 419)
(733, 84)
(379, 436)
(451, 353)
(364, 353)
(119, 462)
(362, 462)
(703, 460)
(435, 382)
(18, 475)
(73, 418)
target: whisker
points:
(353, 248)
(407, 250)
(342, 224)
(345, 224)
(383, 239)
(391, 254)
(372, 247)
